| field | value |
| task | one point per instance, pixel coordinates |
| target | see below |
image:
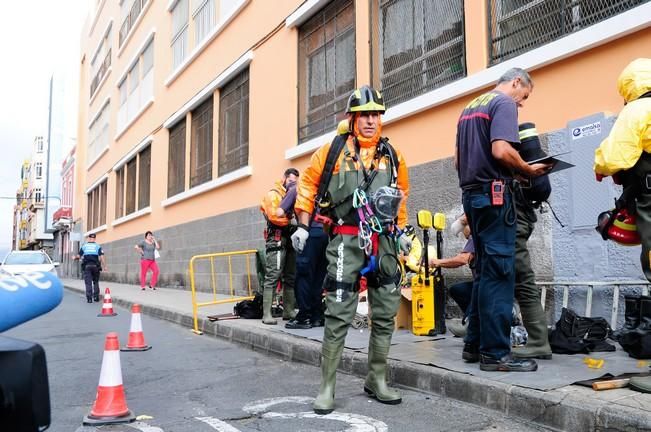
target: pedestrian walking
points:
(148, 250)
(92, 263)
(486, 162)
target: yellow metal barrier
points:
(232, 299)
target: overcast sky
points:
(37, 38)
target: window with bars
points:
(327, 68)
(406, 64)
(176, 159)
(39, 170)
(234, 124)
(96, 210)
(100, 62)
(131, 188)
(38, 195)
(133, 184)
(201, 143)
(518, 26)
(39, 144)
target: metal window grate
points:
(517, 26)
(407, 64)
(327, 68)
(234, 124)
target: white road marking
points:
(144, 427)
(262, 405)
(218, 425)
(357, 422)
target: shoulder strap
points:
(387, 148)
(333, 154)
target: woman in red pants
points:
(148, 249)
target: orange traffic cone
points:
(136, 337)
(107, 306)
(110, 405)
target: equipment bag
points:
(249, 309)
(575, 334)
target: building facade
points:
(190, 110)
(65, 247)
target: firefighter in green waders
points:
(357, 186)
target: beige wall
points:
(566, 89)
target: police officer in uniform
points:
(366, 165)
(92, 263)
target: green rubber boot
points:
(641, 384)
(289, 304)
(267, 300)
(325, 400)
(537, 341)
(376, 380)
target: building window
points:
(101, 62)
(176, 159)
(518, 26)
(204, 18)
(201, 144)
(132, 184)
(137, 86)
(326, 69)
(119, 192)
(234, 124)
(131, 10)
(180, 17)
(98, 134)
(37, 195)
(39, 144)
(39, 170)
(407, 64)
(144, 177)
(96, 211)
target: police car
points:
(17, 262)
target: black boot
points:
(631, 316)
(645, 316)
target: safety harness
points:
(369, 226)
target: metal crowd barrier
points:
(232, 299)
(591, 285)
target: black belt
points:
(485, 187)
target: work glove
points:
(299, 238)
(405, 243)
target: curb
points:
(559, 411)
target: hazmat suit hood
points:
(635, 79)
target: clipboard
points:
(558, 164)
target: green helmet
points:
(365, 99)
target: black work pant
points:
(311, 266)
(91, 278)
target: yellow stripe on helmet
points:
(528, 133)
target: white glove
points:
(405, 243)
(299, 238)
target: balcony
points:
(101, 73)
(130, 20)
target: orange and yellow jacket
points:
(308, 183)
(271, 202)
(631, 133)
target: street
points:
(189, 383)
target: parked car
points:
(17, 262)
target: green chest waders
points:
(345, 260)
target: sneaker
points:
(151, 287)
(299, 324)
(95, 299)
(470, 353)
(89, 300)
(507, 364)
(142, 289)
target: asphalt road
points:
(190, 383)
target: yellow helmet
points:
(365, 99)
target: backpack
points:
(575, 334)
(249, 309)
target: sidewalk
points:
(571, 407)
